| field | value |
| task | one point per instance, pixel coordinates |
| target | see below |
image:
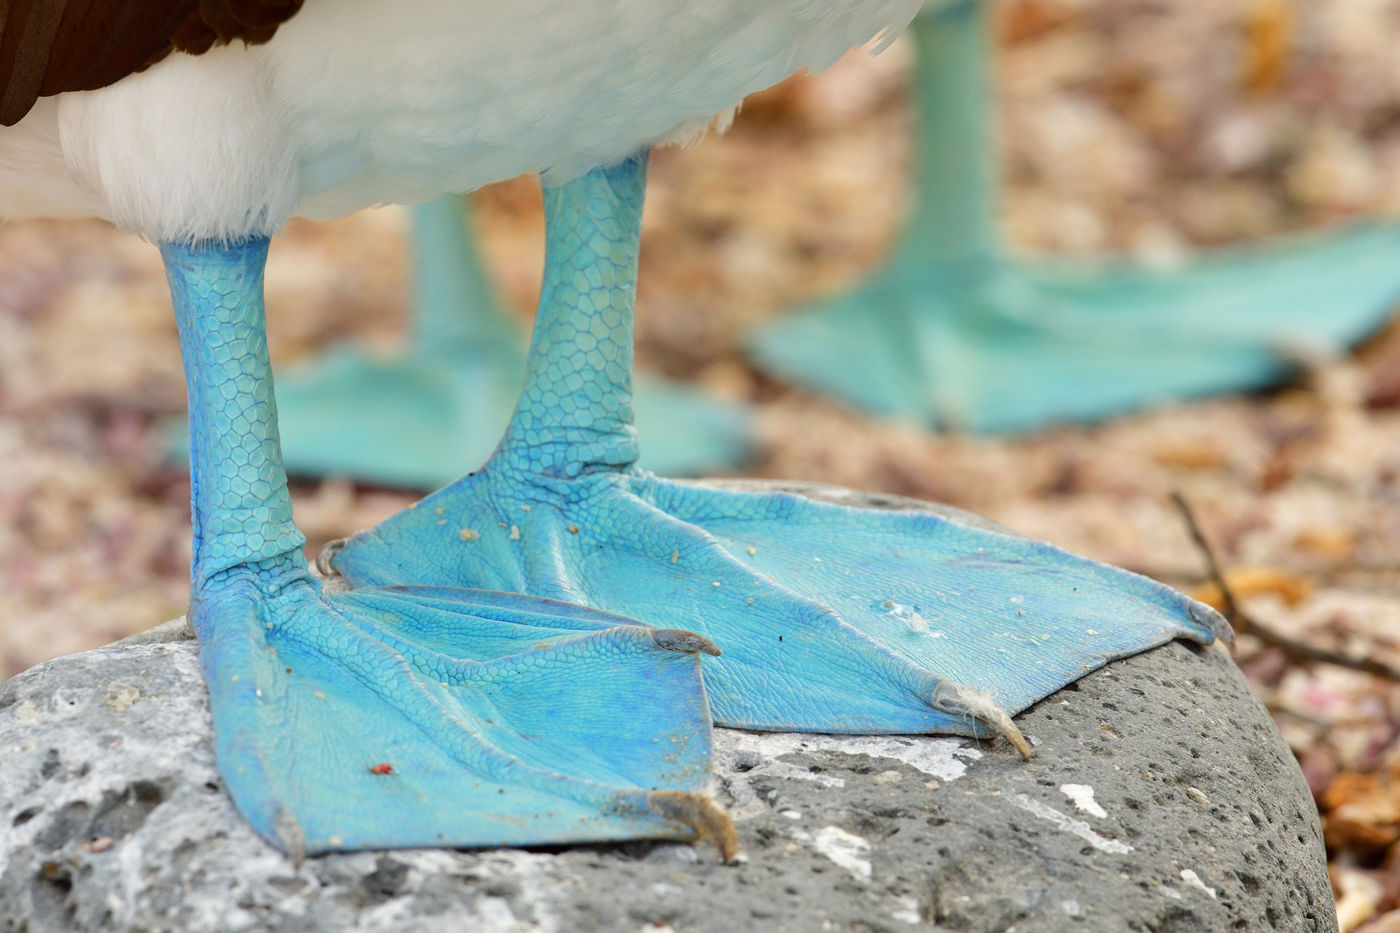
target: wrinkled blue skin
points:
(831, 619)
(412, 421)
(405, 716)
(956, 332)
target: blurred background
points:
(1142, 127)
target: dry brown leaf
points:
(1026, 19)
(1386, 923)
(1190, 455)
(1332, 544)
(1362, 811)
(1245, 582)
(1358, 896)
(1269, 28)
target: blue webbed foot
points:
(831, 618)
(997, 345)
(399, 716)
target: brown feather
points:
(51, 46)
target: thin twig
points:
(1292, 648)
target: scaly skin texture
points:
(957, 332)
(415, 420)
(405, 716)
(831, 619)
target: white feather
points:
(34, 179)
(359, 102)
(228, 168)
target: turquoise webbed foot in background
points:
(402, 716)
(413, 421)
(957, 333)
(830, 618)
(995, 345)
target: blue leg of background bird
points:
(396, 717)
(954, 332)
(413, 421)
(399, 420)
(831, 619)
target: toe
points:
(676, 639)
(709, 821)
(1213, 621)
(360, 720)
(959, 701)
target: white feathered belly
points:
(359, 102)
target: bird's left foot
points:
(831, 618)
(402, 716)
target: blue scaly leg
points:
(402, 716)
(955, 331)
(412, 421)
(831, 619)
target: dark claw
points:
(326, 557)
(1219, 627)
(292, 838)
(957, 700)
(678, 639)
(709, 820)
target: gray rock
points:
(1161, 798)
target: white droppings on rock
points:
(1194, 880)
(907, 911)
(1070, 825)
(740, 756)
(1083, 797)
(943, 758)
(121, 696)
(495, 913)
(845, 849)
